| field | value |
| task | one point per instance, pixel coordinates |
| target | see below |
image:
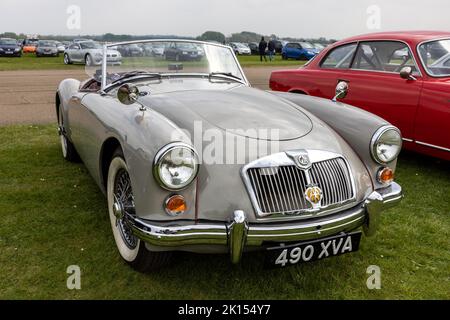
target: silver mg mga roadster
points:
(192, 158)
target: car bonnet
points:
(236, 111)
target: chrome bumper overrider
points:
(239, 234)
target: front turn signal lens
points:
(175, 205)
(385, 175)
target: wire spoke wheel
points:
(124, 206)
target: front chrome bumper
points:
(239, 234)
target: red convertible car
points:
(404, 77)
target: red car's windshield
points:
(436, 57)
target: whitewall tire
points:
(120, 206)
(67, 148)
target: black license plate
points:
(283, 256)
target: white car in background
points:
(90, 53)
(60, 46)
(240, 48)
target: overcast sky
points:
(285, 18)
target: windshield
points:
(90, 45)
(46, 44)
(178, 57)
(307, 45)
(436, 57)
(8, 42)
(31, 42)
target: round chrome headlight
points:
(176, 166)
(386, 144)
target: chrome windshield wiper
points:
(225, 74)
(136, 73)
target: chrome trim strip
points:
(407, 140)
(104, 65)
(432, 146)
(166, 40)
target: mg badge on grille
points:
(314, 196)
(300, 158)
(303, 160)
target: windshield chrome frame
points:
(421, 60)
(106, 46)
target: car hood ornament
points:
(300, 158)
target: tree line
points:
(244, 36)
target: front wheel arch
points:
(106, 154)
(57, 102)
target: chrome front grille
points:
(333, 177)
(280, 189)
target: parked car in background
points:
(311, 191)
(158, 49)
(77, 40)
(318, 46)
(132, 50)
(403, 77)
(299, 51)
(47, 48)
(278, 46)
(240, 48)
(181, 51)
(61, 47)
(10, 48)
(254, 49)
(153, 49)
(90, 53)
(29, 45)
(201, 51)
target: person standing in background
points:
(271, 49)
(262, 49)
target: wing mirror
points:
(406, 73)
(341, 90)
(129, 94)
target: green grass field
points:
(53, 216)
(31, 62)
